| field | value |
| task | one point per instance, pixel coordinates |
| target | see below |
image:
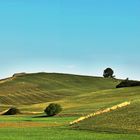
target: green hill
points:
(30, 89)
(78, 95)
(123, 120)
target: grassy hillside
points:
(78, 95)
(29, 89)
(124, 120)
(89, 102)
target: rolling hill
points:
(38, 88)
(78, 95)
(123, 120)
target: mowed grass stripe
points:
(45, 87)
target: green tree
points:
(108, 73)
(53, 109)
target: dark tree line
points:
(128, 83)
(108, 73)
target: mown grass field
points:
(44, 87)
(51, 131)
(78, 95)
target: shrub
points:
(12, 111)
(128, 83)
(53, 109)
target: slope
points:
(123, 120)
(28, 89)
(89, 102)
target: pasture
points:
(53, 128)
(78, 96)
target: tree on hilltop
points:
(108, 73)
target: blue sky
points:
(70, 36)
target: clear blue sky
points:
(70, 36)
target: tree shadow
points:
(41, 116)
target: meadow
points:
(54, 128)
(79, 96)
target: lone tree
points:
(108, 73)
(53, 109)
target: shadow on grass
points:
(41, 116)
(44, 116)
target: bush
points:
(53, 109)
(128, 83)
(12, 111)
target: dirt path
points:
(101, 112)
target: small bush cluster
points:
(128, 83)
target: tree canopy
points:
(108, 73)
